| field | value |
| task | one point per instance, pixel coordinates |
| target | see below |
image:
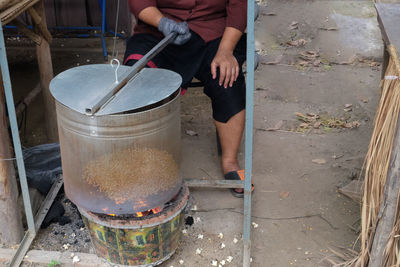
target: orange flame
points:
(138, 214)
(156, 210)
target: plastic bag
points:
(42, 165)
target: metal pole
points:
(248, 133)
(103, 27)
(15, 133)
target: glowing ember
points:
(156, 210)
(139, 214)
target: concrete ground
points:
(298, 214)
(296, 205)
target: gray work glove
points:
(167, 26)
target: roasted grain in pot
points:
(125, 174)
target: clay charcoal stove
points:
(121, 165)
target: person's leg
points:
(230, 134)
(228, 106)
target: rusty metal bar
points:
(214, 183)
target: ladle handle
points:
(131, 73)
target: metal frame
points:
(250, 62)
(33, 225)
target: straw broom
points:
(376, 168)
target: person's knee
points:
(130, 62)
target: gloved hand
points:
(167, 26)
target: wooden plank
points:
(94, 13)
(50, 13)
(70, 13)
(22, 28)
(6, 3)
(14, 11)
(386, 58)
(46, 74)
(214, 183)
(11, 231)
(40, 23)
(389, 21)
(28, 99)
(125, 17)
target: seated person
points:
(211, 47)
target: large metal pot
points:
(118, 163)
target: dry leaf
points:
(284, 194)
(191, 133)
(304, 125)
(310, 114)
(277, 126)
(317, 125)
(348, 105)
(328, 29)
(353, 124)
(350, 61)
(303, 63)
(307, 118)
(364, 100)
(300, 42)
(348, 109)
(319, 161)
(312, 53)
(374, 64)
(309, 55)
(316, 63)
(294, 25)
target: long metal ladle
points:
(116, 87)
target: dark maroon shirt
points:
(208, 18)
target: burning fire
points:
(141, 214)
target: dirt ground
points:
(318, 58)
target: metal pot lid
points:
(81, 87)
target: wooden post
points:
(46, 74)
(11, 230)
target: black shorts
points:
(193, 59)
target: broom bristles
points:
(376, 166)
